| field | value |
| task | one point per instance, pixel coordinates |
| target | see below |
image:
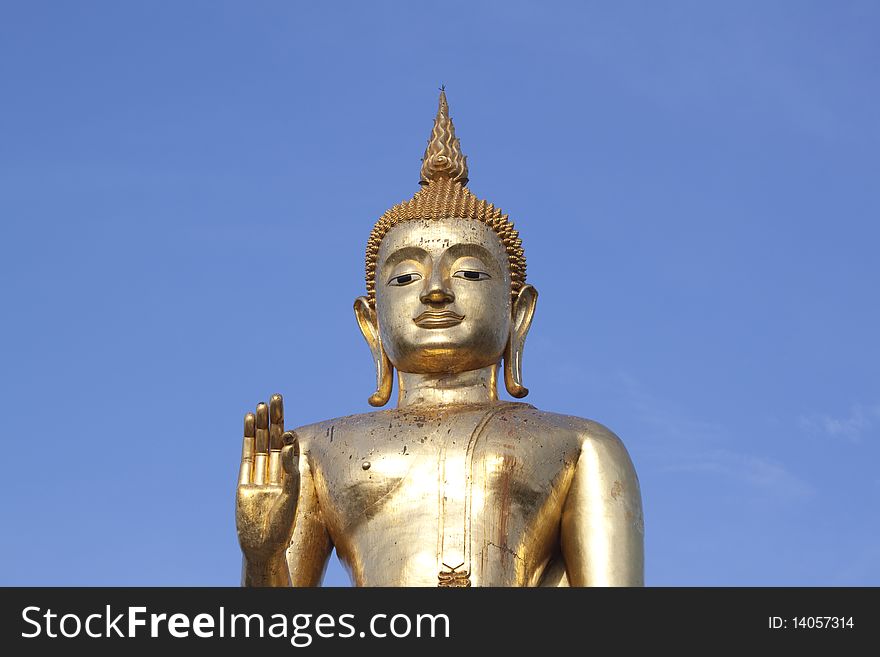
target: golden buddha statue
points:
(454, 487)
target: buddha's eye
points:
(470, 275)
(404, 279)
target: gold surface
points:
(453, 487)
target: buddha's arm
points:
(310, 544)
(602, 527)
(304, 560)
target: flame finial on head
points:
(443, 157)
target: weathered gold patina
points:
(454, 487)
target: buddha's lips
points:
(438, 319)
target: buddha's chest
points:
(456, 489)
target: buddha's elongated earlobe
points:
(523, 311)
(367, 321)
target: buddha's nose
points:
(437, 295)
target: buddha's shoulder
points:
(573, 427)
(520, 417)
(345, 425)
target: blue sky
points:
(186, 190)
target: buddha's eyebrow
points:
(406, 253)
(474, 250)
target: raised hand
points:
(268, 484)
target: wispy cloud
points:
(758, 472)
(696, 446)
(854, 427)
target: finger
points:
(291, 445)
(276, 417)
(283, 464)
(276, 428)
(261, 444)
(247, 450)
(290, 461)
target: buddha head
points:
(445, 276)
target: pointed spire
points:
(443, 156)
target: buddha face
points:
(443, 301)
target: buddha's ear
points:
(369, 325)
(523, 311)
